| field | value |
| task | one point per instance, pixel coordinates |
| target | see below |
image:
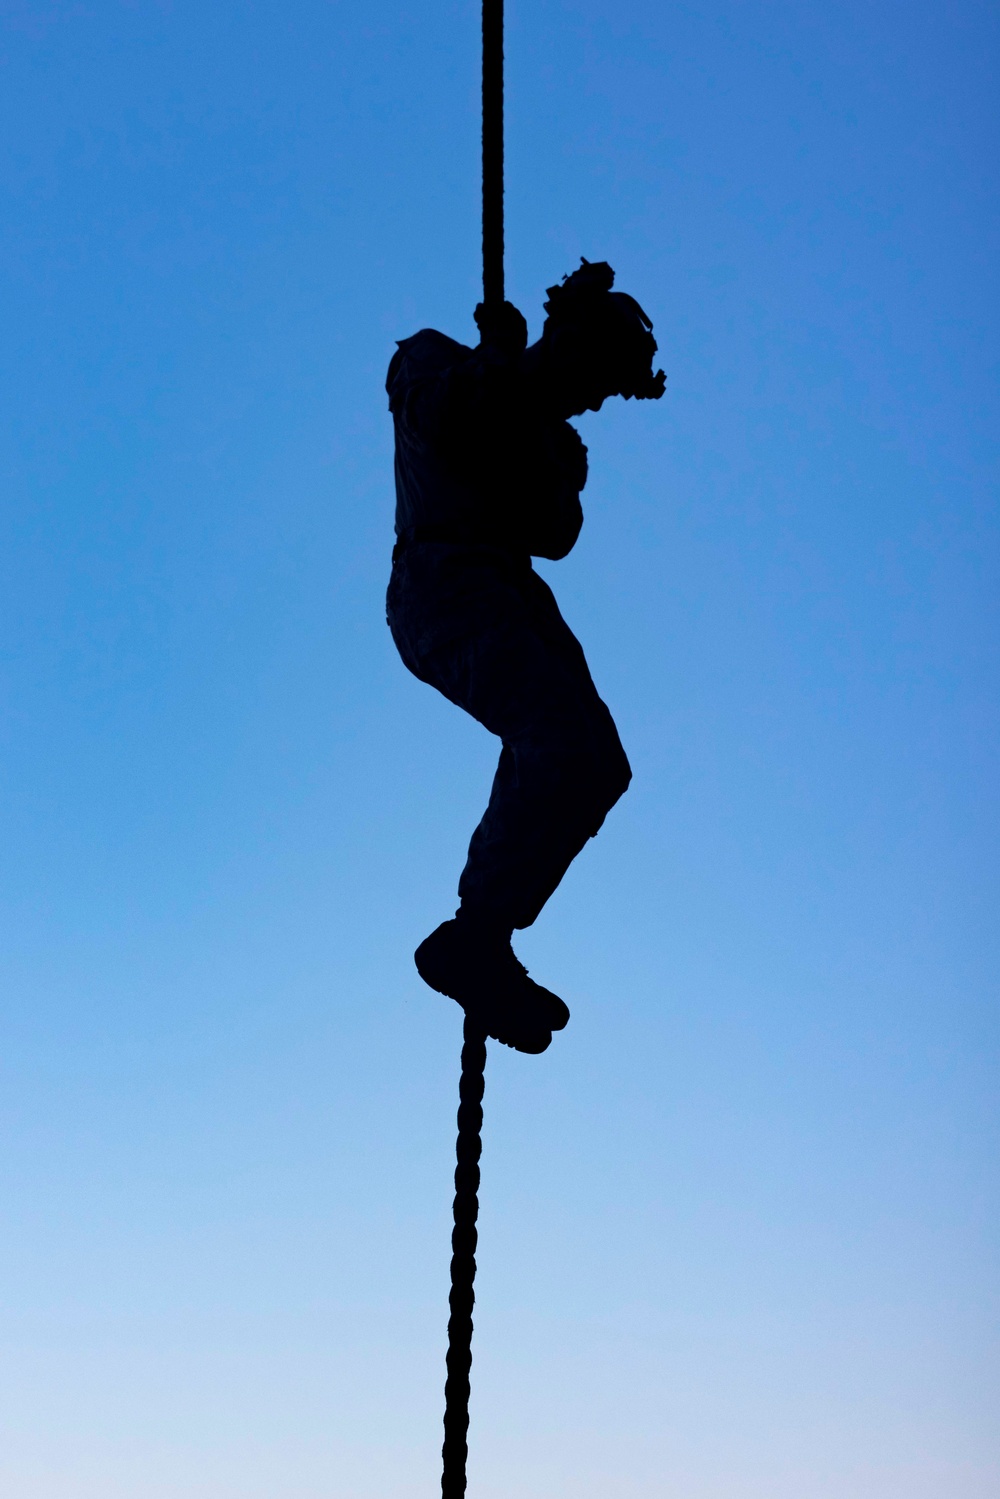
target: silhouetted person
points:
(488, 475)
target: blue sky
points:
(739, 1225)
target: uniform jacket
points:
(478, 454)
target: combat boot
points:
(477, 967)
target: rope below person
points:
(464, 1240)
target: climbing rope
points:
(469, 1145)
(464, 1238)
(493, 152)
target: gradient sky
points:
(739, 1225)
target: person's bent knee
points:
(614, 775)
(611, 762)
(596, 765)
(619, 776)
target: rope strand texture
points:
(493, 288)
(464, 1239)
(469, 1145)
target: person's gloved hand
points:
(502, 328)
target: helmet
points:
(605, 331)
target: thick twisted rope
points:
(463, 1262)
(469, 1145)
(493, 152)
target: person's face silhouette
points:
(574, 377)
(585, 397)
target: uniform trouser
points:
(483, 628)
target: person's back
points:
(488, 474)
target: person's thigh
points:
(490, 637)
(519, 673)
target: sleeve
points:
(552, 513)
(479, 416)
(438, 387)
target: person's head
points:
(597, 342)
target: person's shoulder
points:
(432, 348)
(420, 356)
